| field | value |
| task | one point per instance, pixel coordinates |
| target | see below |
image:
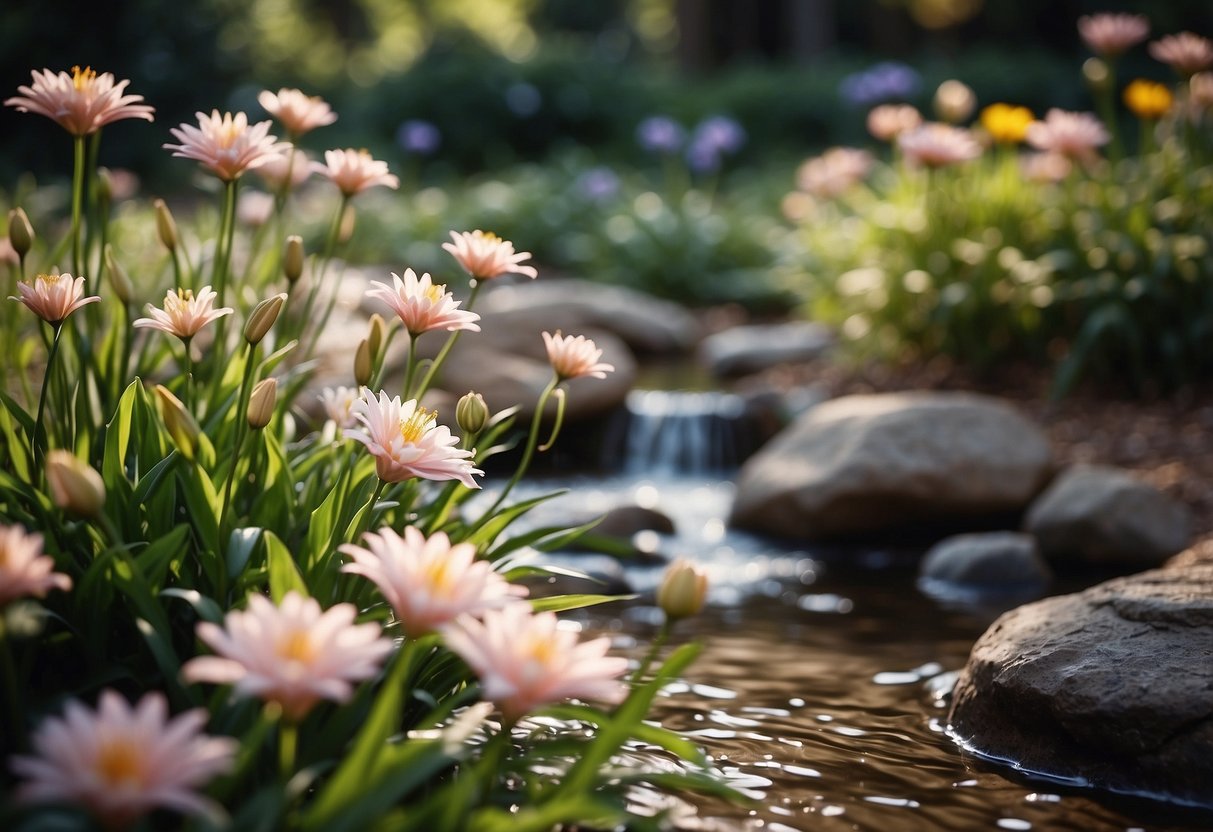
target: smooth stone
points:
(1096, 514)
(992, 561)
(752, 348)
(1113, 685)
(864, 465)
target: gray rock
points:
(1102, 515)
(625, 521)
(868, 464)
(749, 349)
(994, 561)
(643, 322)
(1113, 685)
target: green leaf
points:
(240, 546)
(560, 603)
(487, 533)
(283, 571)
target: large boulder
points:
(1113, 685)
(991, 562)
(861, 465)
(1101, 515)
(750, 349)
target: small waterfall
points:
(679, 432)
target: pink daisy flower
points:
(297, 163)
(834, 172)
(184, 313)
(1110, 35)
(526, 660)
(52, 297)
(1186, 53)
(297, 112)
(573, 357)
(1073, 135)
(423, 305)
(81, 103)
(888, 121)
(226, 144)
(354, 171)
(24, 570)
(293, 654)
(338, 405)
(938, 145)
(120, 763)
(407, 441)
(484, 255)
(428, 582)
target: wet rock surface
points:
(994, 562)
(1113, 685)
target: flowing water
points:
(821, 691)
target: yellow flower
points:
(1148, 99)
(1006, 123)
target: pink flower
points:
(297, 112)
(429, 583)
(484, 255)
(1046, 167)
(353, 171)
(254, 208)
(297, 163)
(407, 441)
(1073, 135)
(888, 121)
(120, 762)
(834, 172)
(226, 144)
(573, 357)
(423, 305)
(1186, 53)
(53, 297)
(338, 405)
(184, 313)
(24, 570)
(81, 103)
(937, 145)
(1110, 35)
(294, 654)
(525, 660)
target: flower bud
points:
(954, 101)
(263, 317)
(471, 413)
(1096, 73)
(105, 188)
(182, 426)
(75, 486)
(166, 226)
(292, 258)
(119, 282)
(20, 232)
(362, 363)
(682, 590)
(375, 338)
(261, 403)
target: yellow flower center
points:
(81, 78)
(48, 280)
(119, 762)
(438, 576)
(435, 292)
(415, 427)
(297, 647)
(490, 237)
(543, 651)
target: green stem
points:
(223, 252)
(241, 424)
(78, 210)
(411, 366)
(364, 521)
(288, 745)
(432, 370)
(37, 448)
(95, 220)
(532, 441)
(188, 366)
(642, 669)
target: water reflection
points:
(822, 689)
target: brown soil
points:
(1166, 441)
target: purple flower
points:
(598, 184)
(722, 133)
(419, 137)
(885, 81)
(703, 156)
(660, 134)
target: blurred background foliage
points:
(508, 80)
